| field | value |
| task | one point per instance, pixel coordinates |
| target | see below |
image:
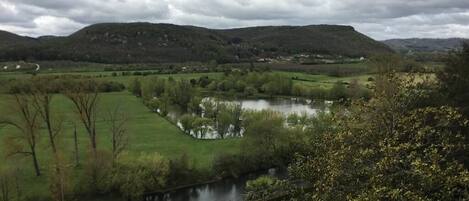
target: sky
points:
(379, 19)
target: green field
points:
(148, 133)
(324, 81)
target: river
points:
(231, 189)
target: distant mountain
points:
(425, 44)
(10, 40)
(146, 42)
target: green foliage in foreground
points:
(397, 146)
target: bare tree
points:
(118, 128)
(27, 122)
(42, 99)
(84, 95)
(42, 92)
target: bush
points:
(133, 176)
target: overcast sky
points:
(380, 19)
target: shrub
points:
(133, 176)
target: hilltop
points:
(147, 42)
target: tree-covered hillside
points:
(146, 42)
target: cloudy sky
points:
(380, 19)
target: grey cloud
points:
(378, 18)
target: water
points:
(225, 190)
(284, 106)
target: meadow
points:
(148, 132)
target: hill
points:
(9, 40)
(425, 44)
(146, 42)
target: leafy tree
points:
(194, 105)
(250, 91)
(265, 134)
(135, 175)
(265, 188)
(338, 91)
(187, 123)
(389, 148)
(454, 79)
(135, 87)
(223, 121)
(202, 126)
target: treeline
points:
(60, 83)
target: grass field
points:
(148, 133)
(324, 81)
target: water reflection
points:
(225, 190)
(284, 106)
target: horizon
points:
(379, 20)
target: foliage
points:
(391, 148)
(454, 79)
(187, 123)
(202, 126)
(133, 176)
(264, 188)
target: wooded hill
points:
(160, 43)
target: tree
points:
(187, 123)
(194, 105)
(237, 113)
(42, 93)
(223, 121)
(135, 87)
(390, 148)
(202, 126)
(265, 135)
(135, 175)
(28, 123)
(338, 91)
(85, 97)
(454, 79)
(117, 121)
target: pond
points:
(231, 189)
(283, 106)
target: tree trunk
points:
(77, 155)
(36, 163)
